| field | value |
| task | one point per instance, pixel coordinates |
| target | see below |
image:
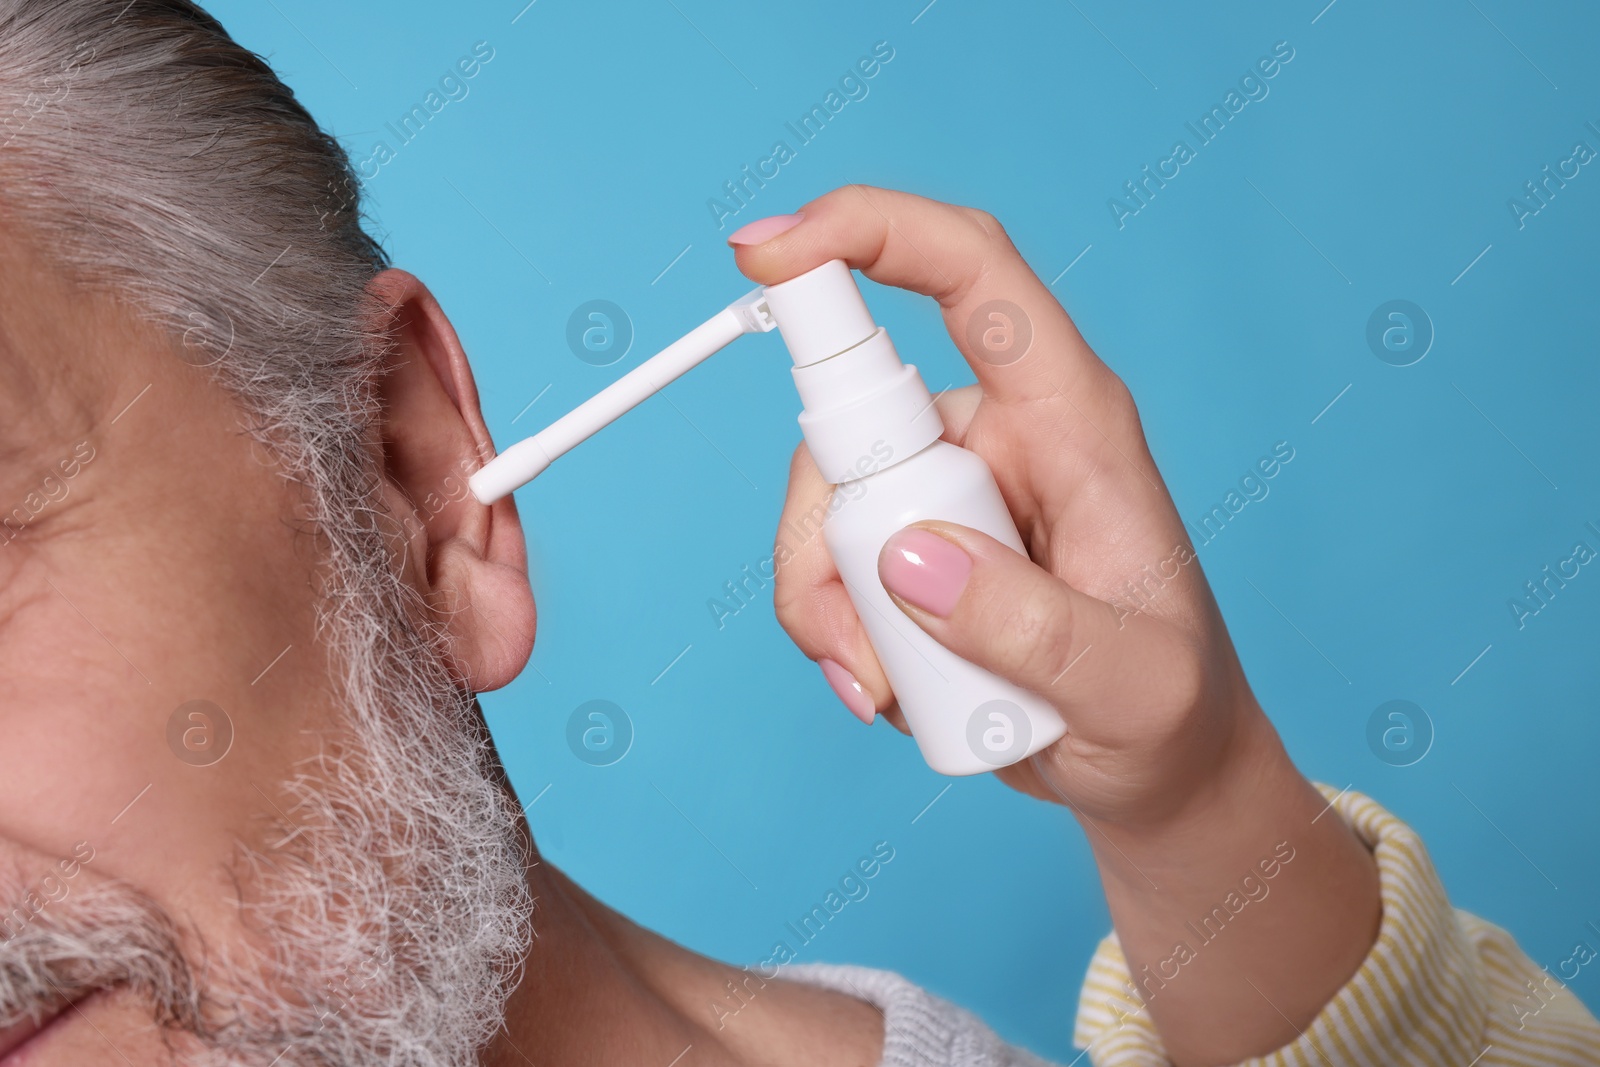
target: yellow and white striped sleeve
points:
(1440, 986)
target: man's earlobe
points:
(468, 561)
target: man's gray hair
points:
(157, 159)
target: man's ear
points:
(469, 561)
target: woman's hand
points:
(1112, 620)
(1168, 760)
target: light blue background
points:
(1235, 305)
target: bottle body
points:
(874, 431)
(966, 720)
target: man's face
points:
(165, 682)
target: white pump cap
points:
(864, 409)
(820, 313)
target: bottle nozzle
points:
(527, 459)
(820, 313)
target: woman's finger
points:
(810, 599)
(1019, 340)
(956, 409)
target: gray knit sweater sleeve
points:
(919, 1029)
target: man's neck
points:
(598, 989)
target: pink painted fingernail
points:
(764, 229)
(924, 568)
(849, 690)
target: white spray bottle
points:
(873, 430)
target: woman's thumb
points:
(993, 606)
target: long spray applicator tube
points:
(527, 459)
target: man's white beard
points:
(385, 924)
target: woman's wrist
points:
(1251, 791)
(1254, 881)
